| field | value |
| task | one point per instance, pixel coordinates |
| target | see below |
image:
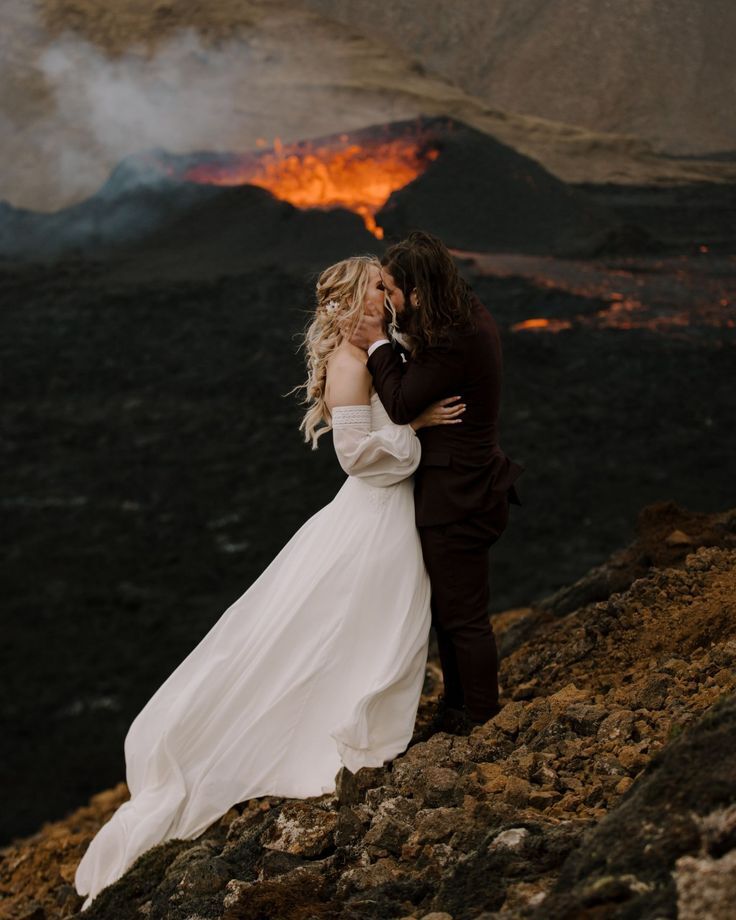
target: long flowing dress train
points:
(319, 664)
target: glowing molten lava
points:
(667, 295)
(337, 173)
(548, 325)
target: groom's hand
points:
(369, 330)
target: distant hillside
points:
(665, 72)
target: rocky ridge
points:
(604, 788)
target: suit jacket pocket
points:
(435, 458)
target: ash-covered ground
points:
(154, 467)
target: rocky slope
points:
(86, 83)
(603, 789)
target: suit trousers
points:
(456, 558)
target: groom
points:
(465, 481)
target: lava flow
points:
(344, 171)
(661, 294)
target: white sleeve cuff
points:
(376, 345)
(351, 416)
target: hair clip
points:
(331, 306)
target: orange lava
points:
(537, 323)
(346, 174)
(666, 295)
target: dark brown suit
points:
(462, 491)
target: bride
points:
(320, 663)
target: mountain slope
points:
(664, 72)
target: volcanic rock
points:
(653, 545)
(607, 794)
(480, 194)
(679, 811)
(302, 830)
(160, 228)
(705, 882)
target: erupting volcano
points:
(315, 199)
(355, 171)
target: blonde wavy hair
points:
(340, 293)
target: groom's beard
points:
(405, 320)
(403, 326)
(403, 339)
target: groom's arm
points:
(407, 389)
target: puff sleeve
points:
(381, 457)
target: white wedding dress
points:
(320, 663)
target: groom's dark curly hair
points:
(423, 263)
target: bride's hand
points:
(370, 328)
(440, 413)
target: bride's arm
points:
(382, 457)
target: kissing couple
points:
(320, 664)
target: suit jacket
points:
(463, 470)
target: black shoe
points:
(444, 704)
(447, 718)
(444, 719)
(470, 724)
